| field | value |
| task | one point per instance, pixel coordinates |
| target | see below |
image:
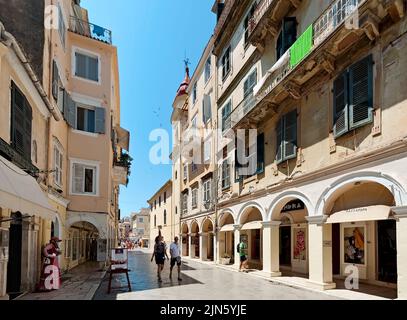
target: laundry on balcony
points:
(302, 47)
(284, 59)
(98, 31)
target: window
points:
(176, 210)
(61, 26)
(207, 150)
(194, 167)
(165, 197)
(353, 97)
(250, 83)
(85, 119)
(287, 37)
(226, 63)
(225, 174)
(287, 137)
(194, 198)
(226, 122)
(55, 82)
(21, 121)
(155, 220)
(206, 109)
(207, 69)
(141, 220)
(87, 66)
(84, 179)
(57, 166)
(247, 22)
(155, 204)
(176, 175)
(252, 167)
(165, 217)
(185, 171)
(194, 93)
(185, 203)
(194, 122)
(159, 201)
(207, 191)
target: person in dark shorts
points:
(160, 253)
(175, 253)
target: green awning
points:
(302, 47)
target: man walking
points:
(175, 257)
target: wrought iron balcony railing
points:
(336, 15)
(90, 30)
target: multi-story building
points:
(323, 193)
(162, 217)
(141, 226)
(77, 67)
(194, 134)
(125, 228)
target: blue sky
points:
(152, 38)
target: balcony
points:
(121, 169)
(267, 19)
(12, 155)
(345, 24)
(90, 30)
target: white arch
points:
(99, 225)
(203, 222)
(192, 223)
(251, 204)
(225, 212)
(395, 188)
(286, 197)
(182, 227)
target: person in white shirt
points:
(175, 257)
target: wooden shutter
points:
(290, 135)
(260, 153)
(340, 112)
(69, 110)
(55, 80)
(93, 68)
(78, 178)
(80, 67)
(289, 32)
(100, 120)
(279, 135)
(237, 166)
(361, 93)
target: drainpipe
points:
(9, 40)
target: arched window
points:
(155, 221)
(165, 217)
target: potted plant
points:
(225, 259)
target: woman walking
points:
(160, 253)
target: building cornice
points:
(396, 148)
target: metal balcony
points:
(338, 14)
(90, 30)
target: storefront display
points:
(299, 244)
(354, 245)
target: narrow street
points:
(200, 282)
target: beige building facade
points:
(319, 189)
(79, 150)
(141, 226)
(162, 218)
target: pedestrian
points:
(160, 253)
(50, 266)
(242, 249)
(175, 257)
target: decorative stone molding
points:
(400, 212)
(269, 224)
(369, 22)
(293, 89)
(237, 227)
(316, 219)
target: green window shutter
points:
(260, 153)
(340, 105)
(279, 135)
(301, 47)
(290, 136)
(69, 110)
(361, 93)
(100, 123)
(55, 80)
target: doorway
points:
(15, 251)
(387, 251)
(285, 246)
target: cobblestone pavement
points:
(80, 283)
(200, 282)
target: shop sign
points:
(293, 206)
